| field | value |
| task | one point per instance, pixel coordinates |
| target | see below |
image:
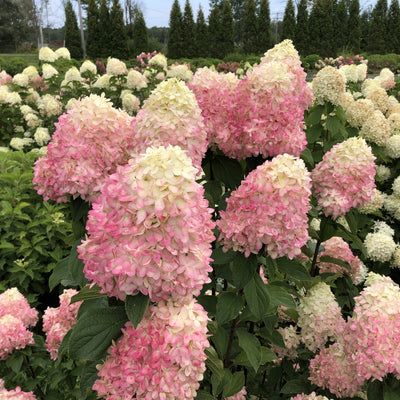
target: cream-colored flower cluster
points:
(376, 129)
(376, 203)
(379, 244)
(328, 85)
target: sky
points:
(156, 12)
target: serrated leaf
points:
(228, 307)
(307, 156)
(93, 333)
(293, 268)
(227, 171)
(221, 257)
(214, 364)
(243, 269)
(135, 307)
(203, 395)
(336, 261)
(87, 378)
(295, 386)
(251, 346)
(257, 297)
(279, 297)
(315, 114)
(87, 293)
(221, 340)
(375, 390)
(314, 133)
(235, 384)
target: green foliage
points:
(104, 31)
(393, 39)
(201, 35)
(354, 27)
(140, 38)
(118, 35)
(378, 61)
(13, 65)
(214, 32)
(226, 29)
(92, 30)
(250, 28)
(35, 234)
(301, 35)
(264, 27)
(188, 32)
(175, 33)
(289, 22)
(72, 33)
(341, 23)
(309, 61)
(378, 28)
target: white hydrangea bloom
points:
(380, 246)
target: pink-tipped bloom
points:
(88, 144)
(171, 116)
(239, 395)
(16, 394)
(311, 396)
(14, 303)
(150, 231)
(269, 208)
(58, 321)
(345, 177)
(163, 358)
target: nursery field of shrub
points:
(178, 230)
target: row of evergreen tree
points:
(326, 28)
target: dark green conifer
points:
(72, 33)
(354, 27)
(227, 31)
(378, 28)
(105, 28)
(393, 39)
(301, 35)
(175, 39)
(250, 29)
(92, 30)
(341, 24)
(264, 27)
(139, 32)
(188, 29)
(214, 32)
(201, 35)
(118, 35)
(289, 22)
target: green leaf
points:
(220, 340)
(336, 261)
(307, 157)
(293, 268)
(87, 378)
(235, 384)
(243, 269)
(228, 307)
(279, 296)
(352, 222)
(209, 303)
(87, 293)
(135, 307)
(214, 364)
(221, 257)
(93, 333)
(315, 115)
(267, 355)
(295, 386)
(15, 362)
(375, 390)
(314, 133)
(391, 393)
(257, 297)
(272, 335)
(251, 346)
(214, 189)
(203, 395)
(228, 171)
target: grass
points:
(30, 58)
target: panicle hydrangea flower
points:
(394, 121)
(358, 112)
(238, 396)
(49, 105)
(379, 246)
(8, 97)
(369, 85)
(267, 117)
(311, 396)
(346, 100)
(336, 247)
(116, 67)
(395, 262)
(136, 80)
(158, 60)
(392, 148)
(48, 55)
(382, 173)
(380, 99)
(376, 129)
(372, 334)
(362, 70)
(392, 205)
(102, 82)
(396, 186)
(393, 108)
(345, 177)
(63, 52)
(163, 358)
(19, 143)
(31, 72)
(269, 208)
(21, 80)
(89, 142)
(292, 341)
(386, 79)
(42, 136)
(32, 96)
(171, 116)
(150, 231)
(5, 78)
(383, 227)
(320, 317)
(13, 302)
(13, 335)
(73, 75)
(332, 369)
(15, 394)
(130, 103)
(32, 120)
(328, 85)
(376, 203)
(214, 94)
(48, 71)
(349, 72)
(180, 71)
(58, 321)
(88, 66)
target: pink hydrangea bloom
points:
(171, 116)
(311, 396)
(372, 335)
(150, 231)
(238, 396)
(58, 321)
(163, 358)
(13, 335)
(5, 78)
(334, 370)
(16, 394)
(89, 142)
(320, 317)
(269, 208)
(14, 303)
(345, 177)
(215, 95)
(336, 247)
